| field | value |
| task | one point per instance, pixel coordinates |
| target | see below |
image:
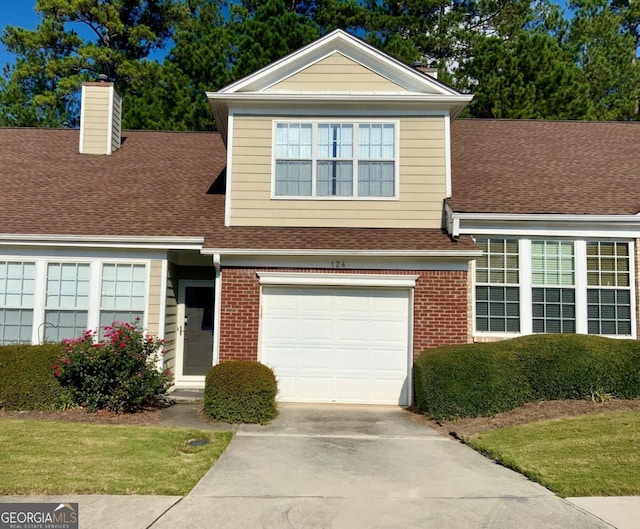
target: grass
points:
(593, 455)
(47, 458)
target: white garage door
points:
(337, 344)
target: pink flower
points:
(57, 373)
(139, 375)
(67, 361)
(122, 344)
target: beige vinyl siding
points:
(155, 291)
(422, 182)
(170, 323)
(95, 119)
(336, 73)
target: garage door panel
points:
(337, 344)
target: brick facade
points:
(441, 310)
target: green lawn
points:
(593, 455)
(43, 457)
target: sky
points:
(21, 13)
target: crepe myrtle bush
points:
(117, 373)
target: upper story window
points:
(327, 159)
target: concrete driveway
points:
(362, 467)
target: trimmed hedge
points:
(26, 379)
(473, 380)
(240, 392)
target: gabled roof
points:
(357, 50)
(415, 89)
(545, 167)
(157, 185)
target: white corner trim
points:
(164, 278)
(82, 119)
(110, 122)
(447, 153)
(227, 194)
(217, 308)
(345, 280)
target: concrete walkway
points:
(349, 467)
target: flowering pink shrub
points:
(117, 373)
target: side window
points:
(67, 300)
(17, 289)
(553, 287)
(608, 288)
(122, 293)
(497, 286)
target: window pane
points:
(502, 306)
(377, 141)
(552, 263)
(608, 264)
(107, 318)
(60, 325)
(609, 311)
(293, 140)
(553, 310)
(68, 286)
(15, 326)
(375, 179)
(335, 141)
(123, 287)
(335, 179)
(293, 179)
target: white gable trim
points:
(352, 48)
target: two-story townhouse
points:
(327, 230)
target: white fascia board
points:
(346, 280)
(84, 241)
(348, 97)
(544, 224)
(350, 46)
(338, 252)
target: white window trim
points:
(314, 158)
(580, 286)
(95, 263)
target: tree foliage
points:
(521, 58)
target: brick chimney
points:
(100, 117)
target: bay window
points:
(335, 159)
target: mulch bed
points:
(535, 411)
(150, 416)
(531, 412)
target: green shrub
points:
(118, 373)
(240, 391)
(474, 380)
(463, 380)
(26, 379)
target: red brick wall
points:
(440, 309)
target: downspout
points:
(217, 308)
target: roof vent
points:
(100, 117)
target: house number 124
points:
(338, 264)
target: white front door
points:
(329, 344)
(194, 347)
